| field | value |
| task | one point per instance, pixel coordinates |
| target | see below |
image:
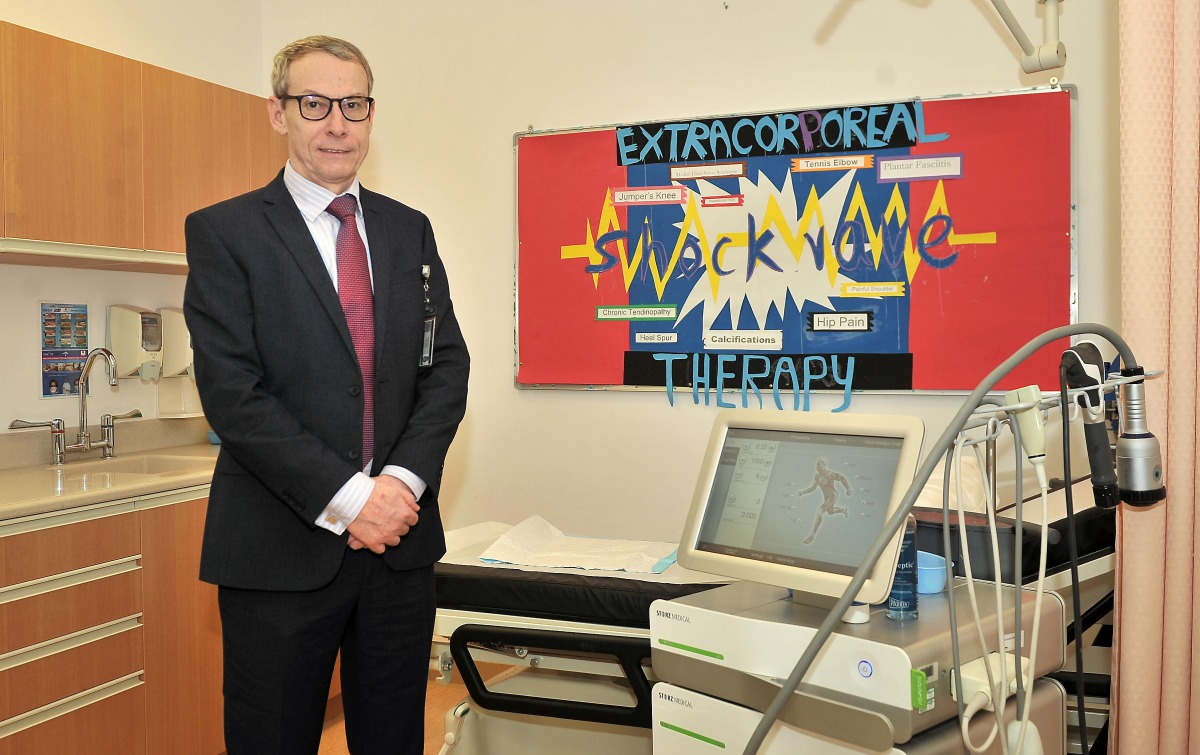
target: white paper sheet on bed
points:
(465, 545)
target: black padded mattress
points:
(613, 601)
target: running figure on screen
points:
(825, 479)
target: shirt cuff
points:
(414, 483)
(346, 503)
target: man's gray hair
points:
(338, 48)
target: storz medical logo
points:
(669, 698)
(672, 616)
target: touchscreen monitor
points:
(796, 500)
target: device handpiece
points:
(1139, 460)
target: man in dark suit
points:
(330, 363)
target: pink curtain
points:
(1157, 646)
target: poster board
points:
(909, 245)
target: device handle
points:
(629, 652)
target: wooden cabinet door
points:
(197, 150)
(72, 135)
(268, 148)
(182, 634)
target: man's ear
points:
(275, 114)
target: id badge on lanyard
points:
(430, 324)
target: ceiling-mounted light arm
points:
(1051, 53)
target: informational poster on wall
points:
(64, 347)
(907, 245)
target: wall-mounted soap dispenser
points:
(177, 343)
(135, 338)
(177, 395)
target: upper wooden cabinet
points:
(197, 150)
(72, 136)
(107, 152)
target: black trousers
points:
(280, 649)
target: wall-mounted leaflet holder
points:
(177, 395)
(135, 337)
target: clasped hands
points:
(389, 513)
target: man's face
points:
(329, 151)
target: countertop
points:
(27, 491)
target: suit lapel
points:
(283, 215)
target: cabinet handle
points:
(70, 704)
(67, 579)
(70, 642)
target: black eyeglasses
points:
(316, 107)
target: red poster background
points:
(559, 339)
(967, 318)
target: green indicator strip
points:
(690, 649)
(693, 735)
(917, 689)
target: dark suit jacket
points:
(280, 384)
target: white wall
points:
(22, 289)
(456, 80)
(216, 40)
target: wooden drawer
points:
(112, 725)
(28, 617)
(37, 554)
(69, 667)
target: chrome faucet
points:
(83, 440)
(58, 436)
(108, 440)
(108, 437)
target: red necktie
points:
(354, 291)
